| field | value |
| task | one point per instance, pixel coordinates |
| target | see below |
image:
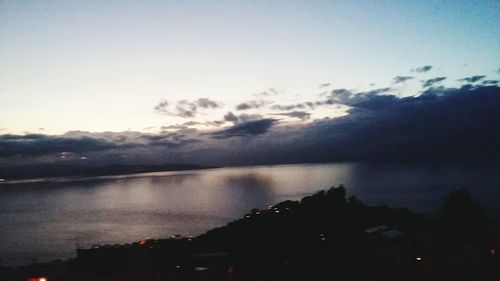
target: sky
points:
(218, 81)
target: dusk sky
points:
(248, 82)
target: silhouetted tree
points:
(462, 216)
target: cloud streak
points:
(432, 81)
(422, 69)
(246, 129)
(186, 108)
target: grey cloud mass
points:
(186, 108)
(296, 114)
(251, 105)
(246, 129)
(38, 144)
(438, 124)
(422, 69)
(401, 79)
(432, 81)
(472, 79)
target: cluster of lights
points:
(38, 279)
(322, 236)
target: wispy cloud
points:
(432, 81)
(246, 129)
(422, 69)
(186, 108)
(472, 79)
(401, 79)
(254, 104)
(302, 115)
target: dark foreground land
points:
(322, 237)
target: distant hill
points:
(54, 170)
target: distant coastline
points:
(64, 173)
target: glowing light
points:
(419, 259)
(142, 242)
(493, 252)
(83, 158)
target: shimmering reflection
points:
(48, 221)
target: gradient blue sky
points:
(104, 65)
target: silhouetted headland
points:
(321, 237)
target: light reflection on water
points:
(49, 220)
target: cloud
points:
(422, 69)
(231, 117)
(347, 97)
(438, 124)
(432, 81)
(296, 114)
(207, 103)
(169, 140)
(251, 105)
(39, 144)
(288, 107)
(186, 108)
(161, 106)
(246, 129)
(490, 82)
(472, 79)
(401, 79)
(268, 92)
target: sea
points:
(46, 220)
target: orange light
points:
(142, 242)
(38, 279)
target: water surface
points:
(46, 221)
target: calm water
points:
(48, 221)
